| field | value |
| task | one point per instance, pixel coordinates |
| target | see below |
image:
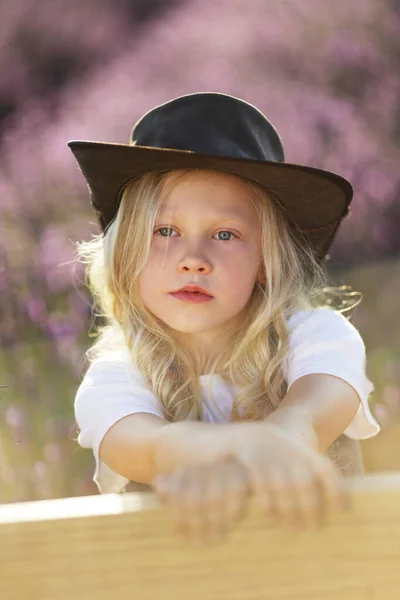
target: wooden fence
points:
(123, 546)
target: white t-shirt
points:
(321, 341)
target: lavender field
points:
(326, 74)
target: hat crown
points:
(215, 131)
(212, 124)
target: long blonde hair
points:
(255, 351)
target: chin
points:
(187, 329)
(190, 327)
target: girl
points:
(222, 369)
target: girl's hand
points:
(291, 481)
(205, 499)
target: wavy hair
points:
(256, 351)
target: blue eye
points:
(164, 229)
(225, 239)
(167, 232)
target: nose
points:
(194, 262)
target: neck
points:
(208, 353)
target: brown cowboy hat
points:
(217, 132)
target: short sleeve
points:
(324, 341)
(110, 391)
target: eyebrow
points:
(223, 215)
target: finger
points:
(186, 501)
(200, 516)
(161, 485)
(225, 498)
(261, 485)
(283, 497)
(332, 485)
(175, 490)
(225, 488)
(214, 517)
(196, 498)
(310, 510)
(237, 492)
(220, 491)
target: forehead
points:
(219, 194)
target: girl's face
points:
(206, 233)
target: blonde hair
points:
(254, 361)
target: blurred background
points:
(326, 74)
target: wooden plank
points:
(119, 546)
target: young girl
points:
(223, 369)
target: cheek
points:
(242, 268)
(154, 275)
(238, 284)
(155, 263)
(148, 281)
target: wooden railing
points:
(123, 547)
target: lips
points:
(193, 289)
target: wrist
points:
(187, 443)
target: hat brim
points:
(315, 199)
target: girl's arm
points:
(317, 408)
(141, 446)
(277, 460)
